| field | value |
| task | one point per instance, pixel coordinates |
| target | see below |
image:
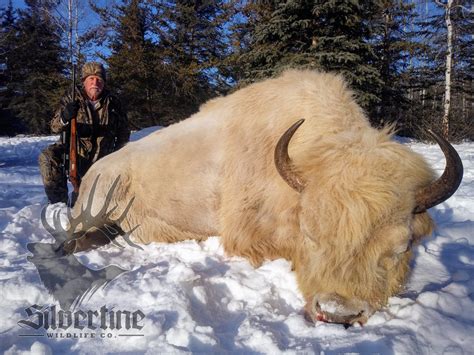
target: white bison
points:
(339, 199)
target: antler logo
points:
(69, 281)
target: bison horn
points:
(447, 184)
(283, 162)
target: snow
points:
(197, 299)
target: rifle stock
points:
(71, 149)
(73, 174)
(65, 144)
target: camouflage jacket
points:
(100, 131)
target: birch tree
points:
(79, 27)
(449, 64)
(449, 6)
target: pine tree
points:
(326, 35)
(8, 123)
(36, 68)
(164, 56)
(395, 46)
(276, 35)
(192, 46)
(345, 44)
(132, 66)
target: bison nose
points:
(333, 308)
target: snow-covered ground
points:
(197, 299)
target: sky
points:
(16, 3)
(87, 19)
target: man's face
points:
(93, 85)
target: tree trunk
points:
(449, 57)
(70, 31)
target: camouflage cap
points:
(93, 68)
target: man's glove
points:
(70, 111)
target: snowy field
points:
(196, 299)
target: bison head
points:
(362, 206)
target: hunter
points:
(102, 128)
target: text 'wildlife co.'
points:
(48, 321)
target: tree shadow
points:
(456, 256)
(454, 250)
(167, 319)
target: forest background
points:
(411, 63)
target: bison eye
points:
(400, 249)
(403, 248)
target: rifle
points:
(69, 140)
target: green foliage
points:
(394, 45)
(325, 35)
(169, 56)
(190, 44)
(132, 72)
(8, 123)
(163, 57)
(35, 68)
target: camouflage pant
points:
(54, 180)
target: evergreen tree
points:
(395, 46)
(345, 44)
(8, 123)
(132, 66)
(326, 35)
(192, 45)
(276, 35)
(254, 56)
(36, 67)
(164, 56)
